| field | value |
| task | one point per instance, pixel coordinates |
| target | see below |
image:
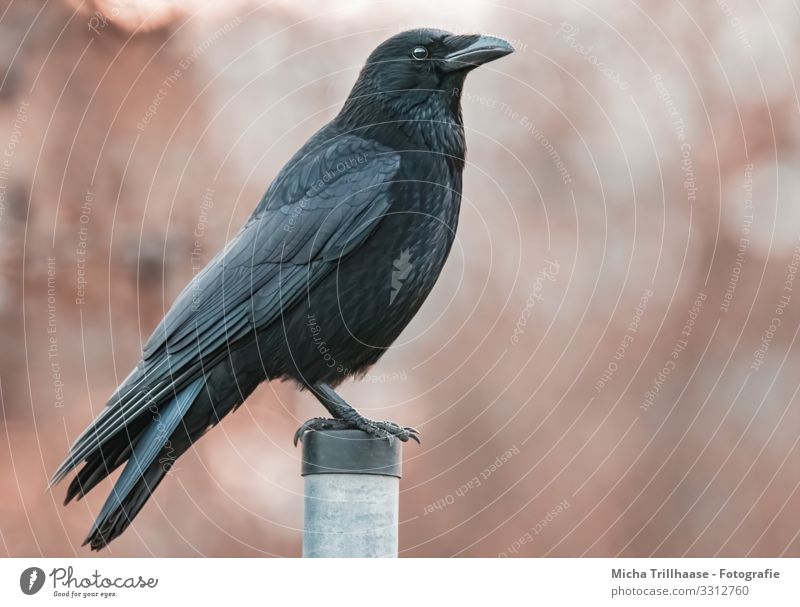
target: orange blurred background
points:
(608, 365)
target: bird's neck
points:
(429, 120)
(434, 125)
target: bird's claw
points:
(387, 430)
(393, 430)
(319, 423)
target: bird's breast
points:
(374, 292)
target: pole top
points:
(350, 452)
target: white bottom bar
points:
(347, 582)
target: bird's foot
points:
(387, 430)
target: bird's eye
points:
(419, 53)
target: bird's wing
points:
(322, 206)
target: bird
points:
(336, 259)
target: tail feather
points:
(122, 412)
(143, 473)
(112, 523)
(100, 465)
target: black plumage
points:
(334, 262)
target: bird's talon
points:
(317, 423)
(414, 434)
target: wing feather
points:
(322, 206)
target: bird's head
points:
(421, 64)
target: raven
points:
(334, 262)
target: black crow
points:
(334, 262)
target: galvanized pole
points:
(352, 488)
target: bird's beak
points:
(473, 50)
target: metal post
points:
(352, 491)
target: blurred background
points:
(609, 363)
